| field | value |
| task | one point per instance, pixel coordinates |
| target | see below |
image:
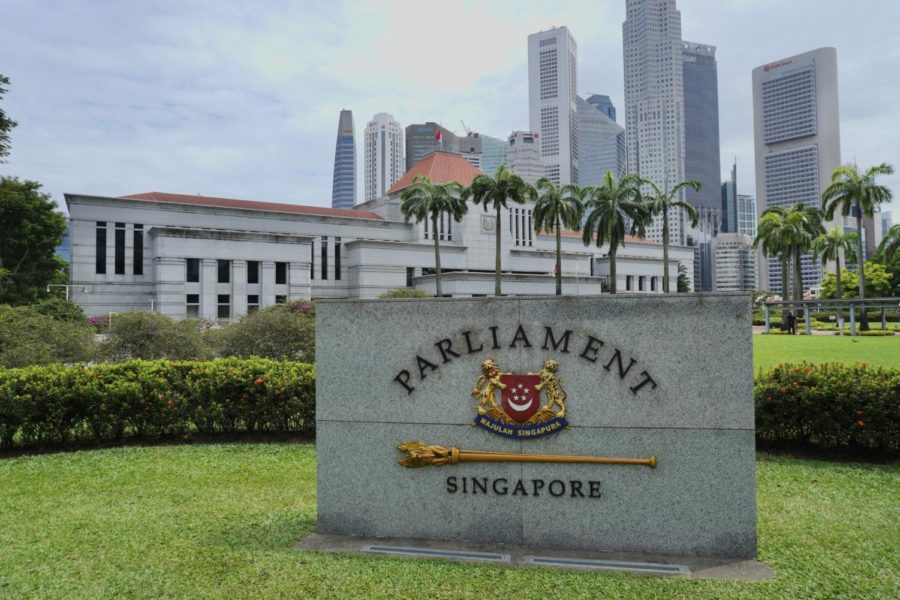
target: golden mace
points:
(419, 454)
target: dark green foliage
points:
(683, 283)
(832, 405)
(60, 309)
(30, 230)
(404, 293)
(285, 331)
(28, 337)
(110, 402)
(150, 335)
(6, 124)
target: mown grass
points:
(220, 521)
(770, 350)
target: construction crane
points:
(468, 131)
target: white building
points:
(746, 214)
(384, 155)
(218, 258)
(654, 100)
(735, 263)
(552, 82)
(523, 156)
(797, 143)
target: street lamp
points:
(63, 285)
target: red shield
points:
(520, 399)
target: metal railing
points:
(852, 304)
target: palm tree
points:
(494, 193)
(849, 188)
(660, 202)
(829, 247)
(425, 199)
(555, 208)
(891, 243)
(614, 207)
(772, 236)
(804, 225)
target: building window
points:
(281, 273)
(252, 271)
(224, 305)
(193, 306)
(653, 284)
(629, 282)
(193, 270)
(224, 267)
(521, 226)
(252, 303)
(101, 247)
(410, 273)
(337, 259)
(641, 283)
(312, 260)
(120, 249)
(324, 257)
(445, 228)
(280, 299)
(138, 249)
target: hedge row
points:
(829, 406)
(135, 398)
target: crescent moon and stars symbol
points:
(521, 398)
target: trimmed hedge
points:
(830, 405)
(137, 398)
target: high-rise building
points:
(796, 141)
(729, 202)
(654, 100)
(422, 139)
(886, 222)
(746, 215)
(491, 149)
(552, 86)
(734, 262)
(603, 104)
(343, 186)
(601, 144)
(523, 156)
(384, 155)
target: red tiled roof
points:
(320, 211)
(440, 167)
(628, 238)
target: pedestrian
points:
(791, 323)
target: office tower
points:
(343, 187)
(603, 104)
(729, 202)
(734, 262)
(796, 141)
(746, 215)
(523, 156)
(601, 144)
(886, 222)
(491, 149)
(422, 139)
(384, 155)
(552, 83)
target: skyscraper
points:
(746, 215)
(601, 144)
(729, 202)
(523, 156)
(552, 83)
(384, 155)
(491, 149)
(797, 142)
(422, 139)
(603, 104)
(654, 100)
(343, 187)
(734, 262)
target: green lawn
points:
(220, 521)
(769, 350)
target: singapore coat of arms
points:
(520, 413)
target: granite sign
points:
(630, 419)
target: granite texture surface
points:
(698, 422)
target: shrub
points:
(404, 293)
(28, 337)
(60, 309)
(285, 331)
(149, 335)
(108, 402)
(829, 405)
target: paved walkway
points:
(762, 329)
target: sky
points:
(241, 99)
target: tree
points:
(875, 277)
(28, 337)
(829, 247)
(803, 225)
(6, 124)
(773, 237)
(849, 188)
(613, 208)
(149, 335)
(891, 243)
(555, 208)
(660, 202)
(30, 231)
(888, 254)
(493, 193)
(683, 283)
(425, 199)
(282, 332)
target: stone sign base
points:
(509, 555)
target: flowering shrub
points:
(829, 405)
(113, 401)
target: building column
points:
(238, 288)
(298, 281)
(168, 297)
(267, 283)
(209, 277)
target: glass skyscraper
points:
(601, 143)
(343, 187)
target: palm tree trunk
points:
(498, 228)
(612, 272)
(798, 276)
(665, 233)
(785, 284)
(558, 259)
(437, 256)
(839, 317)
(861, 260)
